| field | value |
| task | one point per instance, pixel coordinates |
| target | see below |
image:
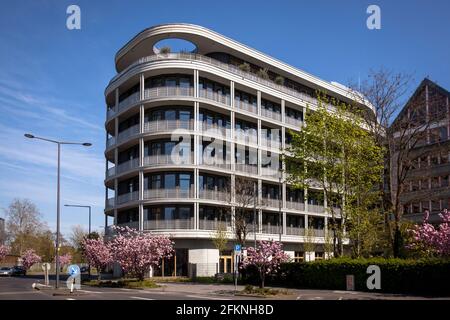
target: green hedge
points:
(429, 277)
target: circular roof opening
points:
(174, 45)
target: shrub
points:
(426, 276)
(165, 50)
(279, 80)
(263, 73)
(244, 67)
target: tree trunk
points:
(262, 276)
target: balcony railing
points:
(214, 195)
(293, 121)
(168, 92)
(223, 164)
(215, 96)
(169, 193)
(125, 103)
(225, 66)
(239, 104)
(110, 202)
(270, 143)
(110, 113)
(214, 130)
(205, 224)
(316, 208)
(169, 224)
(132, 225)
(110, 142)
(271, 114)
(245, 137)
(318, 232)
(127, 165)
(295, 231)
(111, 171)
(295, 205)
(127, 197)
(271, 229)
(125, 134)
(246, 168)
(269, 172)
(168, 125)
(268, 202)
(168, 159)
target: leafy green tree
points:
(334, 152)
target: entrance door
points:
(226, 264)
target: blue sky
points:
(52, 80)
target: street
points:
(20, 288)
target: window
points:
(444, 181)
(319, 255)
(296, 114)
(185, 181)
(299, 256)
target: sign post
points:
(237, 255)
(46, 267)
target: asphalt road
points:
(20, 288)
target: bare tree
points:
(245, 192)
(23, 221)
(77, 236)
(403, 139)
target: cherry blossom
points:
(29, 258)
(267, 258)
(4, 251)
(98, 254)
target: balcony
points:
(219, 164)
(127, 197)
(173, 224)
(214, 130)
(269, 172)
(295, 231)
(245, 137)
(127, 165)
(224, 66)
(169, 159)
(159, 92)
(125, 134)
(318, 232)
(271, 229)
(110, 203)
(205, 224)
(132, 225)
(214, 195)
(125, 103)
(268, 202)
(110, 142)
(293, 121)
(316, 208)
(167, 125)
(270, 114)
(150, 194)
(246, 168)
(110, 113)
(270, 143)
(215, 96)
(245, 106)
(295, 205)
(110, 172)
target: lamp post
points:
(59, 143)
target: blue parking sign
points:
(237, 247)
(73, 270)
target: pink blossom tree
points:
(137, 251)
(98, 254)
(266, 257)
(29, 258)
(432, 241)
(4, 251)
(65, 259)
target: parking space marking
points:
(141, 298)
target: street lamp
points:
(59, 143)
(81, 206)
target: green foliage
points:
(249, 289)
(263, 73)
(244, 67)
(127, 283)
(165, 50)
(279, 80)
(425, 276)
(335, 152)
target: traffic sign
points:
(46, 266)
(73, 270)
(237, 247)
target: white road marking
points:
(70, 299)
(141, 298)
(209, 298)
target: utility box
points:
(350, 282)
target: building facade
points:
(184, 126)
(426, 185)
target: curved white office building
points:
(184, 125)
